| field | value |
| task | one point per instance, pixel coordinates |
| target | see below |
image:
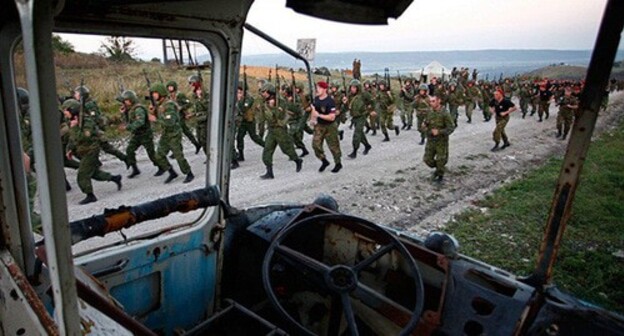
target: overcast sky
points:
(425, 26)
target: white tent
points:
(434, 69)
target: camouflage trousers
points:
(407, 115)
(31, 182)
(278, 136)
(436, 154)
(454, 111)
(201, 130)
(564, 121)
(487, 115)
(499, 131)
(524, 106)
(543, 109)
(296, 133)
(329, 133)
(420, 118)
(373, 121)
(387, 121)
(470, 106)
(187, 131)
(110, 149)
(247, 127)
(88, 169)
(171, 142)
(147, 141)
(358, 132)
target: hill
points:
(572, 72)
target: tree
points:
(118, 48)
(61, 46)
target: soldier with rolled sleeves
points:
(276, 118)
(140, 127)
(568, 104)
(502, 107)
(168, 116)
(326, 128)
(358, 103)
(84, 141)
(437, 125)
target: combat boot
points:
(409, 127)
(558, 132)
(337, 168)
(298, 164)
(564, 136)
(197, 148)
(117, 180)
(89, 199)
(367, 129)
(135, 171)
(404, 126)
(422, 140)
(304, 152)
(189, 177)
(67, 185)
(386, 138)
(396, 130)
(353, 154)
(374, 131)
(495, 148)
(269, 173)
(546, 114)
(367, 148)
(341, 134)
(505, 145)
(469, 120)
(234, 164)
(324, 165)
(172, 175)
(160, 172)
(438, 178)
(241, 156)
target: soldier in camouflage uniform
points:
(372, 122)
(568, 104)
(525, 96)
(487, 96)
(85, 142)
(421, 104)
(200, 107)
(324, 118)
(455, 99)
(92, 111)
(407, 95)
(247, 124)
(138, 124)
(183, 104)
(385, 107)
(259, 109)
(359, 103)
(296, 119)
(503, 107)
(508, 88)
(473, 95)
(438, 125)
(23, 102)
(276, 118)
(168, 116)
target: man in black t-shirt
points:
(545, 96)
(502, 107)
(325, 128)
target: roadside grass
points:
(507, 227)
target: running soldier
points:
(438, 125)
(182, 103)
(385, 107)
(545, 96)
(277, 120)
(502, 107)
(326, 128)
(168, 117)
(473, 96)
(138, 124)
(407, 96)
(525, 97)
(423, 107)
(245, 108)
(568, 104)
(358, 109)
(200, 109)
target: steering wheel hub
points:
(341, 278)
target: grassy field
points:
(506, 228)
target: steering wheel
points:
(342, 281)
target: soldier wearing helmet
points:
(422, 107)
(473, 95)
(200, 109)
(245, 111)
(168, 116)
(455, 99)
(91, 111)
(138, 124)
(183, 104)
(359, 102)
(407, 95)
(276, 116)
(385, 106)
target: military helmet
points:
(453, 83)
(71, 105)
(335, 83)
(130, 95)
(423, 87)
(367, 82)
(382, 82)
(268, 87)
(193, 79)
(160, 88)
(22, 99)
(356, 83)
(172, 83)
(83, 90)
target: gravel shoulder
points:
(391, 185)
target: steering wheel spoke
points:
(348, 312)
(378, 254)
(298, 259)
(380, 303)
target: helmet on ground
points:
(159, 88)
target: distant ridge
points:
(489, 62)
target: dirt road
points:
(391, 185)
